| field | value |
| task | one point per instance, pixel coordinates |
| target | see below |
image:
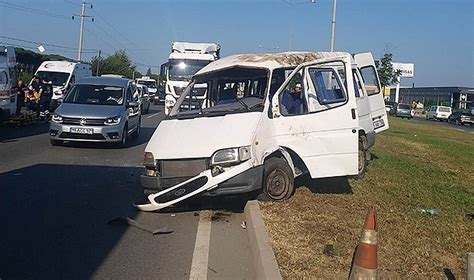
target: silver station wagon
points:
(97, 109)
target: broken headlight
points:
(231, 156)
(150, 164)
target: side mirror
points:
(132, 104)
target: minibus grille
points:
(183, 167)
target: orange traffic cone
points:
(364, 264)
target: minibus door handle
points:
(353, 112)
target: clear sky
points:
(436, 35)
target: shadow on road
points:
(333, 185)
(54, 218)
(8, 134)
(223, 203)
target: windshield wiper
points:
(243, 104)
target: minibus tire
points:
(362, 158)
(277, 172)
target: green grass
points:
(415, 165)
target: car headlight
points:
(231, 156)
(112, 121)
(57, 118)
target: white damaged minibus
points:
(265, 119)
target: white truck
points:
(62, 75)
(265, 120)
(7, 82)
(184, 61)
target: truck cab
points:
(185, 60)
(264, 120)
(7, 82)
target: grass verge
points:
(415, 165)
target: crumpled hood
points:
(201, 137)
(88, 111)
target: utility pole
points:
(81, 31)
(98, 63)
(333, 24)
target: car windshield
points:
(149, 84)
(57, 79)
(95, 95)
(184, 69)
(444, 109)
(404, 106)
(232, 90)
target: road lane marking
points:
(152, 115)
(201, 247)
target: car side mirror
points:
(132, 104)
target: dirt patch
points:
(314, 233)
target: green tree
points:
(148, 72)
(118, 63)
(387, 75)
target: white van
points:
(7, 82)
(256, 130)
(62, 75)
(440, 113)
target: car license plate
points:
(82, 130)
(379, 123)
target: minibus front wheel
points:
(278, 180)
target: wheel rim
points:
(277, 184)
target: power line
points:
(110, 36)
(72, 3)
(44, 44)
(117, 31)
(35, 49)
(31, 10)
(100, 38)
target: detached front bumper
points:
(244, 182)
(235, 180)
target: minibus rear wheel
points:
(278, 180)
(362, 159)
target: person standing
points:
(20, 95)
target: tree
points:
(148, 72)
(118, 63)
(387, 75)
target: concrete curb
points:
(264, 260)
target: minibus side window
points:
(293, 98)
(325, 87)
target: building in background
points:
(458, 98)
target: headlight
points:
(112, 121)
(232, 155)
(57, 118)
(149, 160)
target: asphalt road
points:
(466, 128)
(56, 204)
